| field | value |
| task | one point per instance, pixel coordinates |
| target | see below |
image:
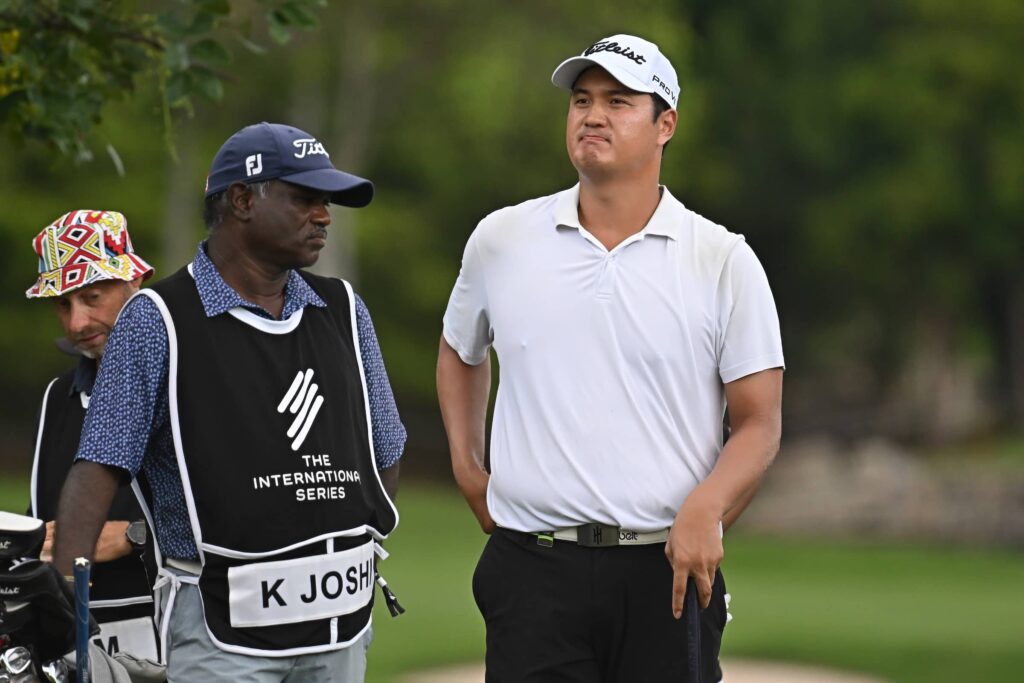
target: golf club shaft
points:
(82, 570)
(691, 610)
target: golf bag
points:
(37, 618)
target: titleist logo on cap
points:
(308, 146)
(605, 46)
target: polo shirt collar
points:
(665, 220)
(85, 377)
(567, 214)
(217, 296)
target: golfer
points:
(625, 324)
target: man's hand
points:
(46, 554)
(473, 484)
(111, 545)
(694, 550)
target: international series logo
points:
(301, 400)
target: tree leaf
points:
(209, 51)
(296, 14)
(179, 87)
(78, 21)
(220, 7)
(172, 26)
(207, 84)
(176, 57)
(203, 22)
(278, 29)
(252, 47)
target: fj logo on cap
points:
(253, 165)
(605, 46)
(301, 398)
(309, 147)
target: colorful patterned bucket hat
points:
(83, 247)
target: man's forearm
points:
(694, 547)
(742, 464)
(736, 510)
(84, 503)
(463, 391)
(755, 413)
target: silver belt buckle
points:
(597, 535)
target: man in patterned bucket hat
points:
(81, 249)
(88, 269)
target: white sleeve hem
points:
(467, 357)
(749, 367)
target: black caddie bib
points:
(273, 438)
(121, 596)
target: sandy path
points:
(736, 671)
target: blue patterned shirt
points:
(128, 421)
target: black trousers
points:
(588, 615)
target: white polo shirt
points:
(612, 363)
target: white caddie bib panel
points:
(137, 636)
(303, 589)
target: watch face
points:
(136, 533)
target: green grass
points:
(14, 494)
(434, 551)
(909, 614)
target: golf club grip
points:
(82, 669)
(691, 610)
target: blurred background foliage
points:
(871, 151)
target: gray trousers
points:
(192, 656)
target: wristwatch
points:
(136, 534)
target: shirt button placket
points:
(606, 280)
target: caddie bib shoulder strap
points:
(121, 592)
(273, 438)
(60, 427)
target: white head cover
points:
(634, 62)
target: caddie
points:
(625, 324)
(88, 269)
(254, 396)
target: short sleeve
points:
(467, 327)
(132, 378)
(748, 323)
(389, 433)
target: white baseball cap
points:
(634, 62)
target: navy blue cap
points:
(274, 151)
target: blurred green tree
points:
(63, 61)
(871, 151)
(879, 151)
